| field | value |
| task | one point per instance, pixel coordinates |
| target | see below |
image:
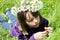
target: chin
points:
(36, 26)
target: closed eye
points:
(30, 20)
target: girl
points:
(30, 26)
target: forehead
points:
(29, 15)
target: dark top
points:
(16, 32)
(31, 31)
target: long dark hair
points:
(22, 17)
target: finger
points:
(41, 37)
(44, 33)
(48, 28)
(49, 31)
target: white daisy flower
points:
(40, 5)
(33, 9)
(25, 8)
(22, 7)
(28, 7)
(18, 10)
(13, 10)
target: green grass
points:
(5, 35)
(50, 11)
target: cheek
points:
(39, 20)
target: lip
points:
(36, 25)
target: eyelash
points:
(32, 19)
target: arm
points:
(20, 35)
(17, 33)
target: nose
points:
(35, 21)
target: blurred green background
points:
(50, 11)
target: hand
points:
(40, 35)
(48, 30)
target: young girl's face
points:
(32, 21)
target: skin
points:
(32, 21)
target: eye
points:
(30, 20)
